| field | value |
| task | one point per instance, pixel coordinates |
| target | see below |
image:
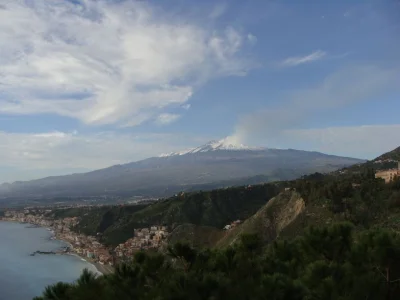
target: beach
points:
(104, 269)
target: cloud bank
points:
(105, 62)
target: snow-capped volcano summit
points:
(224, 144)
(215, 164)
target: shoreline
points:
(93, 264)
(101, 269)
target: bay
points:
(22, 276)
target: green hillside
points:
(327, 262)
(296, 246)
(206, 208)
(213, 208)
(394, 155)
(383, 162)
(353, 196)
(196, 236)
(320, 200)
(269, 220)
(322, 236)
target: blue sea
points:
(22, 276)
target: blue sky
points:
(88, 84)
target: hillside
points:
(388, 160)
(316, 199)
(266, 209)
(392, 155)
(209, 208)
(196, 236)
(183, 171)
(322, 236)
(269, 220)
(320, 200)
(314, 253)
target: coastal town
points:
(103, 256)
(144, 238)
(89, 247)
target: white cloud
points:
(298, 60)
(27, 156)
(167, 118)
(105, 62)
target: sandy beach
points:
(104, 269)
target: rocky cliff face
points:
(270, 220)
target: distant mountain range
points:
(215, 164)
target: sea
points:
(23, 276)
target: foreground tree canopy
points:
(357, 260)
(334, 262)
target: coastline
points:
(104, 269)
(101, 269)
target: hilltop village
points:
(89, 247)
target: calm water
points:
(23, 276)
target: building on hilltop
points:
(388, 175)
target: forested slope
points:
(323, 236)
(334, 262)
(207, 208)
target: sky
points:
(87, 84)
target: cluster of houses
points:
(143, 238)
(232, 225)
(38, 218)
(389, 175)
(80, 244)
(25, 216)
(89, 247)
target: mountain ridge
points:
(280, 209)
(393, 155)
(164, 176)
(213, 145)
